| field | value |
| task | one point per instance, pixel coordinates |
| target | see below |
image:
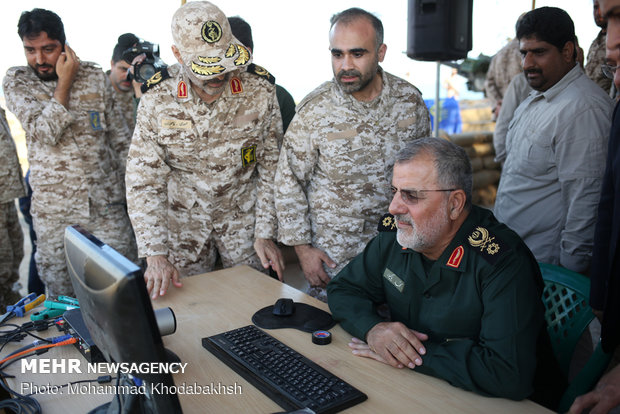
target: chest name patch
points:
(176, 123)
(391, 277)
(89, 97)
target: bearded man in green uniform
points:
(463, 290)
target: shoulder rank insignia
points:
(490, 247)
(155, 79)
(387, 223)
(262, 72)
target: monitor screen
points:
(117, 310)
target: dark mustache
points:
(351, 72)
(532, 71)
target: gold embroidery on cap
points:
(207, 70)
(209, 60)
(230, 52)
(244, 56)
(211, 31)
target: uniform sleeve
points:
(147, 194)
(11, 181)
(295, 166)
(490, 85)
(354, 292)
(603, 231)
(500, 361)
(580, 156)
(43, 120)
(506, 113)
(266, 221)
(118, 132)
(287, 106)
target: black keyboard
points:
(283, 374)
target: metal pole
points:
(437, 112)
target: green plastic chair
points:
(568, 315)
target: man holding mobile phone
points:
(75, 145)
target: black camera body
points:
(150, 66)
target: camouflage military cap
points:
(201, 32)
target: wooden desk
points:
(215, 302)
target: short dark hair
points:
(125, 41)
(242, 31)
(548, 24)
(452, 163)
(354, 13)
(33, 22)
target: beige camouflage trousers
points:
(11, 253)
(342, 238)
(208, 256)
(111, 226)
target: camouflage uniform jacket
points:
(596, 56)
(505, 65)
(196, 168)
(11, 182)
(124, 103)
(73, 153)
(333, 177)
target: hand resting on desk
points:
(393, 344)
(159, 273)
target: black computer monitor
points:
(118, 313)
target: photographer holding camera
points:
(122, 89)
(134, 61)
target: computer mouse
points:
(284, 307)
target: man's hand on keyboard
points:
(159, 273)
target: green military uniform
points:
(479, 303)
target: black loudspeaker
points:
(439, 30)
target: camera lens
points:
(146, 71)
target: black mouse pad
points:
(306, 318)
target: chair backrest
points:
(567, 312)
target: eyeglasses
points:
(411, 197)
(608, 70)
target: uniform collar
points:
(561, 85)
(185, 93)
(346, 99)
(458, 252)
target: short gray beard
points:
(420, 239)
